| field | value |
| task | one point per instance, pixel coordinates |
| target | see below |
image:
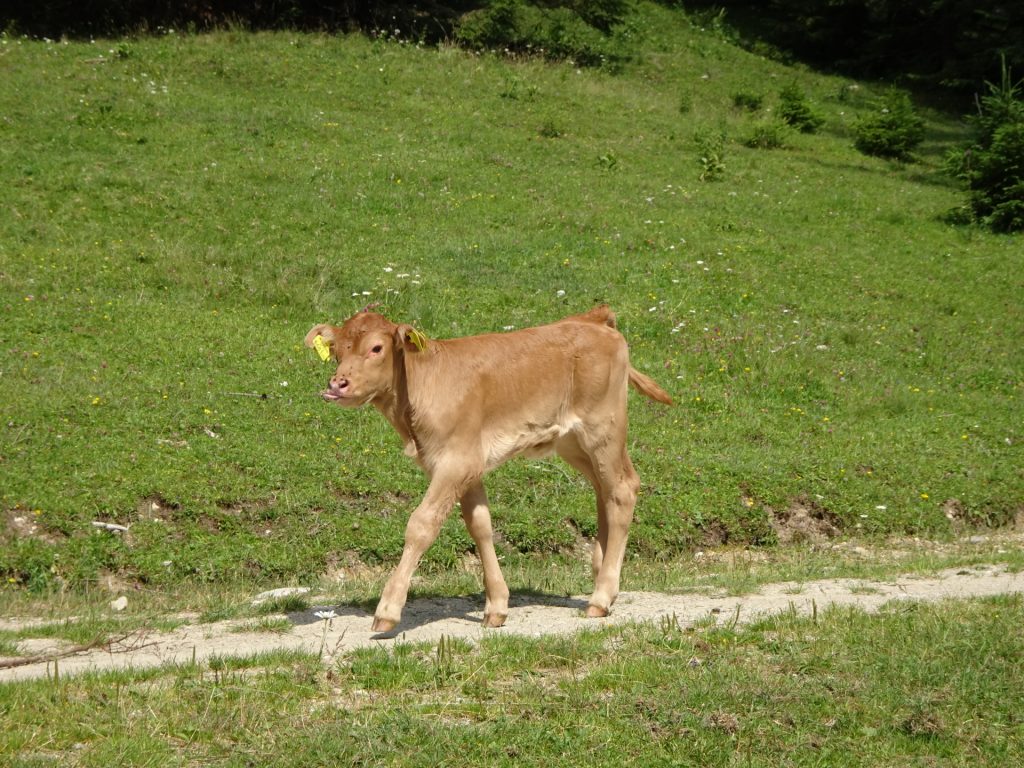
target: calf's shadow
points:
(423, 610)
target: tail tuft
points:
(647, 386)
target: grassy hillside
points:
(177, 211)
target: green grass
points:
(179, 210)
(267, 624)
(916, 684)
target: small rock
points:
(120, 604)
(112, 527)
(275, 594)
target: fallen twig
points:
(110, 643)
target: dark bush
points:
(578, 31)
(947, 43)
(433, 19)
(581, 30)
(751, 102)
(112, 17)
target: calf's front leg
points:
(477, 517)
(420, 532)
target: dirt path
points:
(429, 619)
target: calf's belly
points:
(534, 441)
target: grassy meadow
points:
(178, 210)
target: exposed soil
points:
(430, 619)
(804, 521)
(25, 524)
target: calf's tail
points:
(647, 386)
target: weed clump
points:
(767, 134)
(551, 130)
(710, 154)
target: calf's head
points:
(368, 348)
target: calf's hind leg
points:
(574, 455)
(477, 516)
(609, 470)
(618, 485)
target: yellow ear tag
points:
(321, 347)
(418, 339)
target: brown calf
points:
(464, 406)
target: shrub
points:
(997, 180)
(604, 15)
(892, 129)
(795, 111)
(993, 165)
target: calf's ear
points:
(324, 330)
(410, 339)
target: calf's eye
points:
(378, 349)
